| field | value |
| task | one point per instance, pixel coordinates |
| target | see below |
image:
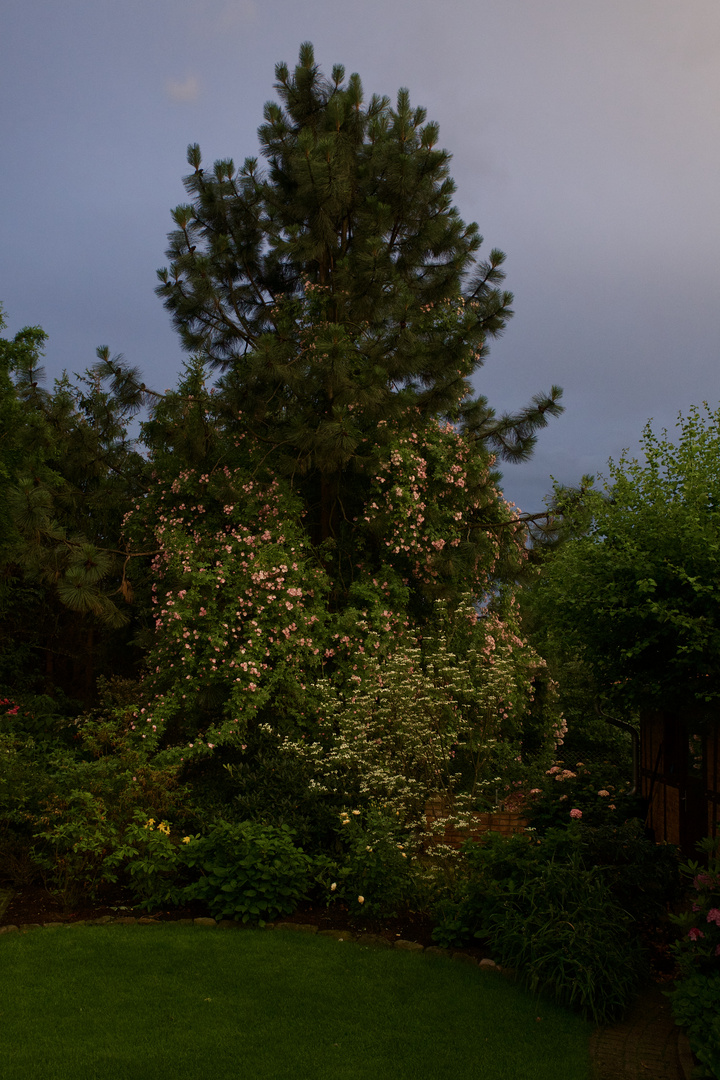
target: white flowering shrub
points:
(439, 715)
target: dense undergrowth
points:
(565, 905)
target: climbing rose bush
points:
(239, 610)
(401, 696)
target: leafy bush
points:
(695, 998)
(75, 846)
(152, 861)
(642, 876)
(250, 872)
(375, 874)
(563, 932)
(73, 790)
(698, 949)
(81, 848)
(34, 738)
(546, 912)
(695, 1008)
(598, 790)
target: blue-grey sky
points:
(586, 144)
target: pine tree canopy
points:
(338, 286)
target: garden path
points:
(647, 1045)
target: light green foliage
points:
(151, 859)
(635, 596)
(71, 794)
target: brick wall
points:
(505, 822)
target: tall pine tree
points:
(339, 292)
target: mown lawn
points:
(187, 1003)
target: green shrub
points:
(695, 998)
(152, 861)
(642, 876)
(74, 846)
(599, 790)
(72, 804)
(250, 872)
(565, 935)
(695, 1004)
(546, 913)
(376, 871)
(698, 948)
(34, 739)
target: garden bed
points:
(33, 905)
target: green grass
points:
(185, 1003)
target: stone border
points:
(299, 928)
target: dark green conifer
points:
(339, 286)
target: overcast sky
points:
(585, 140)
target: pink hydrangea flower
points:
(694, 933)
(575, 813)
(713, 915)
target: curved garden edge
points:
(608, 1043)
(207, 922)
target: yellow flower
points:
(186, 839)
(149, 823)
(164, 827)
